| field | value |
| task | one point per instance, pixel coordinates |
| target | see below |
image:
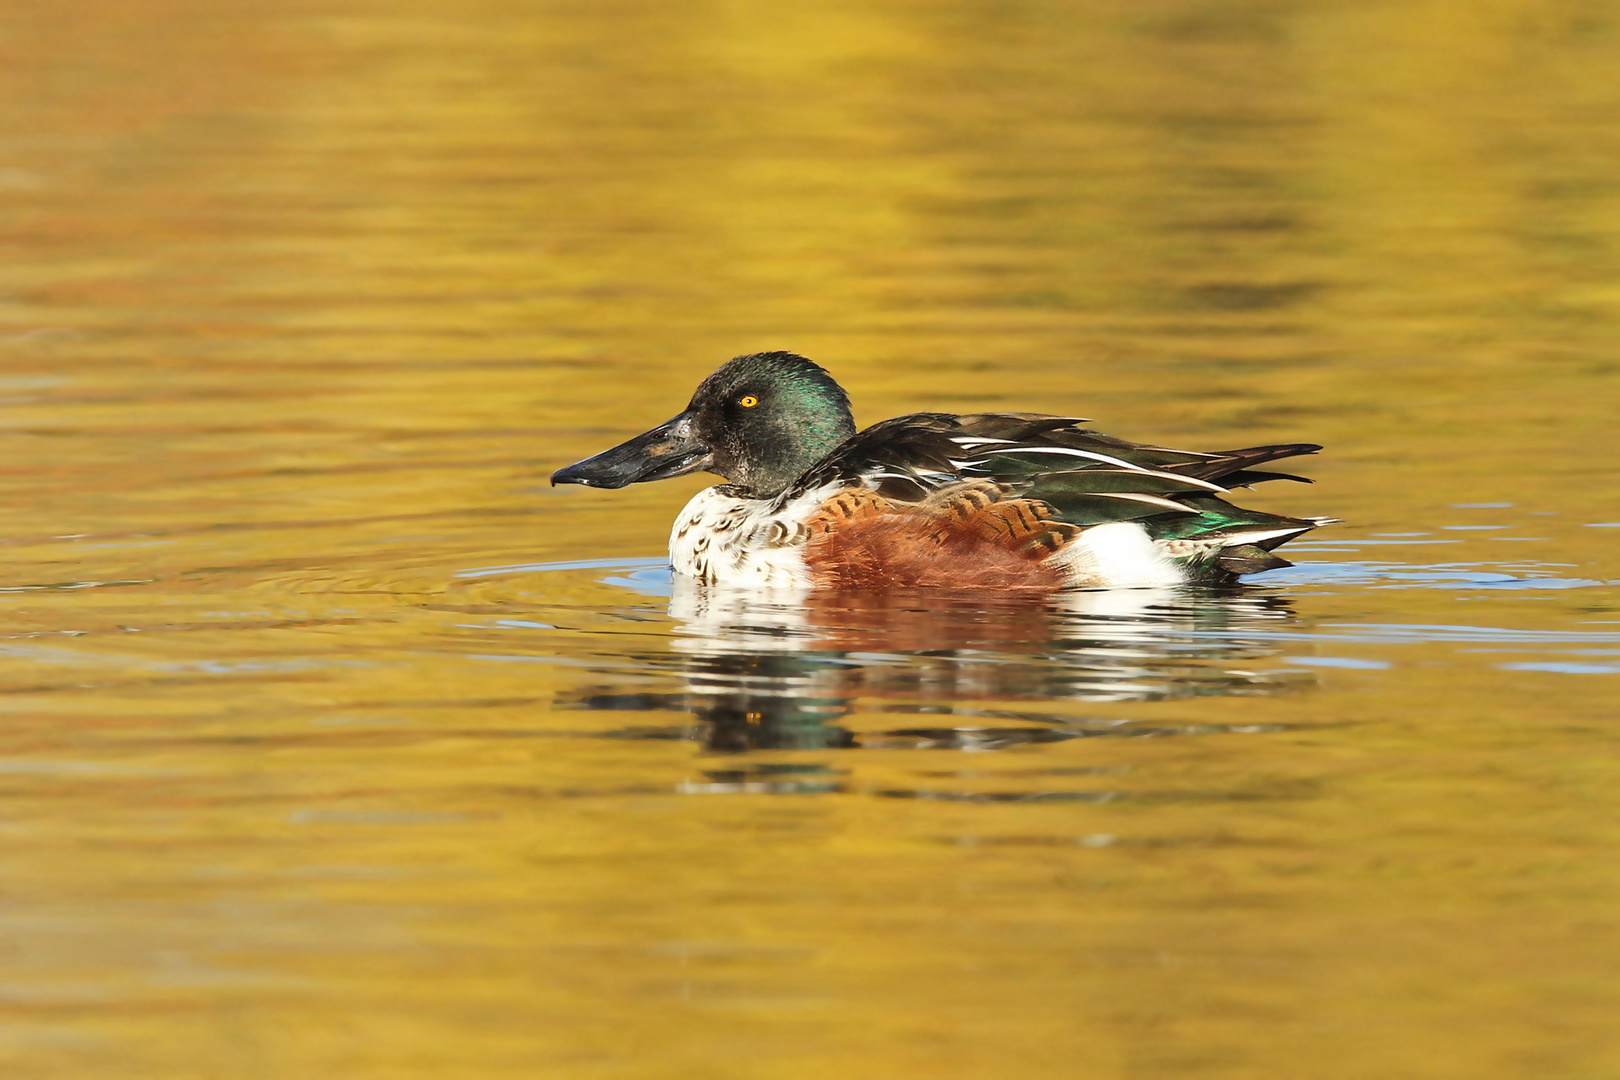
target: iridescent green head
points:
(760, 422)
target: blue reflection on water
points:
(1564, 668)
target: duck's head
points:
(760, 422)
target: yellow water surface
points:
(334, 743)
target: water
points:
(338, 744)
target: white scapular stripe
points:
(1254, 536)
(1136, 496)
(1068, 451)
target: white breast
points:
(726, 540)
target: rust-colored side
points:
(965, 536)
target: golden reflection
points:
(301, 300)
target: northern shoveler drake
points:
(987, 500)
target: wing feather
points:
(1085, 476)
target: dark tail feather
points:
(1250, 559)
(1250, 477)
(1232, 462)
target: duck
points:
(1005, 501)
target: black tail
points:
(1229, 468)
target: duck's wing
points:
(905, 458)
(1085, 477)
(908, 457)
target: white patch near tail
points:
(1119, 555)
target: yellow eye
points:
(748, 401)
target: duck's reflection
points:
(783, 670)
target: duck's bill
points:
(670, 449)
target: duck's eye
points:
(748, 401)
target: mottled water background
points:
(336, 744)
